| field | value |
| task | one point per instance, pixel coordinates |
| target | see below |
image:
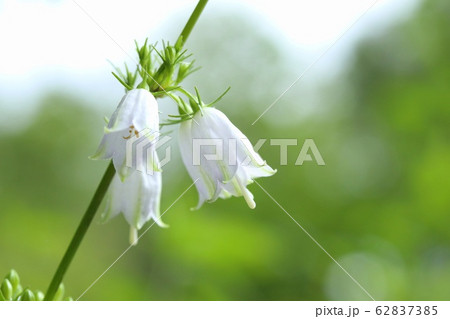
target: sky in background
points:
(53, 44)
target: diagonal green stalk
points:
(81, 231)
(104, 185)
(191, 22)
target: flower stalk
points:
(191, 23)
(105, 182)
(81, 231)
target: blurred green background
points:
(380, 206)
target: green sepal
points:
(219, 98)
(122, 82)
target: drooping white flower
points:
(137, 198)
(135, 190)
(219, 157)
(136, 117)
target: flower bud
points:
(59, 295)
(17, 291)
(13, 278)
(6, 289)
(39, 295)
(27, 295)
(184, 70)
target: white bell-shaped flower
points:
(130, 141)
(137, 198)
(219, 157)
(136, 117)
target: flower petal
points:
(203, 183)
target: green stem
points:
(182, 39)
(81, 231)
(104, 185)
(191, 22)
